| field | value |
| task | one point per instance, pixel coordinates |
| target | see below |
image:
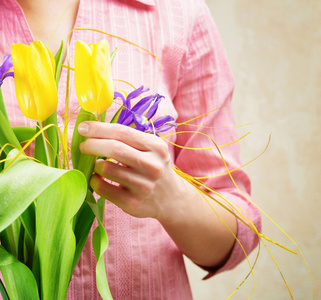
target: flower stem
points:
(86, 163)
(46, 143)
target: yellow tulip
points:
(93, 80)
(34, 72)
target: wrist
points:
(180, 206)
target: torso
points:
(50, 21)
(142, 261)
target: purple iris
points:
(141, 113)
(5, 68)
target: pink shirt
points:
(142, 261)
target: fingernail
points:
(83, 128)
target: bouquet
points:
(43, 229)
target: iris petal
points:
(143, 104)
(11, 73)
(141, 122)
(162, 120)
(135, 94)
(5, 68)
(138, 117)
(164, 128)
(154, 107)
(120, 95)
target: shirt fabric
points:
(142, 261)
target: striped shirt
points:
(142, 261)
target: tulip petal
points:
(83, 74)
(93, 80)
(22, 85)
(42, 80)
(103, 73)
(34, 68)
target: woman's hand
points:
(140, 180)
(142, 183)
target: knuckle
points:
(116, 148)
(157, 170)
(146, 189)
(123, 131)
(93, 129)
(162, 149)
(129, 177)
(106, 168)
(98, 186)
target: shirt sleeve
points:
(205, 88)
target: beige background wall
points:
(274, 47)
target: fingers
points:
(137, 184)
(111, 149)
(123, 198)
(140, 151)
(125, 134)
(113, 193)
(125, 176)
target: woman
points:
(152, 215)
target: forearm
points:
(197, 230)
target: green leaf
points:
(4, 240)
(53, 138)
(83, 223)
(55, 239)
(2, 106)
(2, 157)
(59, 195)
(116, 115)
(21, 246)
(81, 162)
(28, 219)
(7, 135)
(19, 280)
(112, 56)
(40, 152)
(24, 133)
(22, 183)
(3, 291)
(77, 138)
(12, 235)
(58, 59)
(98, 207)
(29, 247)
(100, 244)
